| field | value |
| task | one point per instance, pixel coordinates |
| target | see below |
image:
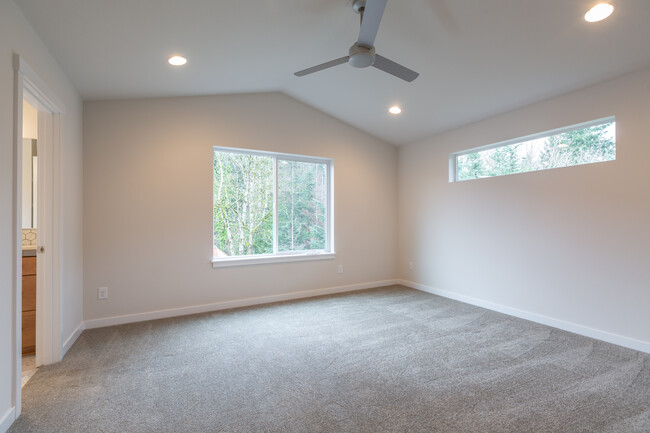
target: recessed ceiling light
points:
(177, 60)
(599, 12)
(395, 109)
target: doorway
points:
(37, 273)
(29, 238)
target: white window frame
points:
(453, 157)
(328, 253)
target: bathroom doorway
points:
(29, 238)
(37, 196)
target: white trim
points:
(453, 167)
(7, 420)
(36, 87)
(279, 258)
(329, 215)
(44, 228)
(226, 305)
(620, 340)
(16, 280)
(72, 338)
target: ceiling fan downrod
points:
(359, 6)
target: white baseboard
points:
(72, 338)
(7, 420)
(205, 308)
(620, 340)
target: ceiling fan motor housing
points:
(358, 5)
(362, 56)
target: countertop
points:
(29, 250)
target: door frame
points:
(28, 86)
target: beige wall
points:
(571, 244)
(30, 121)
(16, 36)
(148, 200)
(30, 132)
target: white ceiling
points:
(476, 58)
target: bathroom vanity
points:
(29, 301)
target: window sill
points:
(244, 261)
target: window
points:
(585, 143)
(270, 207)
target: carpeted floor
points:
(384, 360)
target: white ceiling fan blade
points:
(321, 66)
(372, 14)
(386, 65)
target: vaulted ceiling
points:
(476, 58)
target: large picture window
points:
(585, 143)
(270, 207)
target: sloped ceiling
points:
(476, 58)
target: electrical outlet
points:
(410, 266)
(340, 269)
(102, 293)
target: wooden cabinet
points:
(29, 265)
(29, 332)
(29, 305)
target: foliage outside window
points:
(268, 204)
(579, 144)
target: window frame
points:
(453, 157)
(327, 253)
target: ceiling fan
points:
(362, 53)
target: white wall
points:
(570, 244)
(148, 200)
(16, 36)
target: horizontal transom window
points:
(270, 207)
(585, 143)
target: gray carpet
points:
(384, 360)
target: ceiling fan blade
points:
(386, 65)
(372, 14)
(321, 66)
